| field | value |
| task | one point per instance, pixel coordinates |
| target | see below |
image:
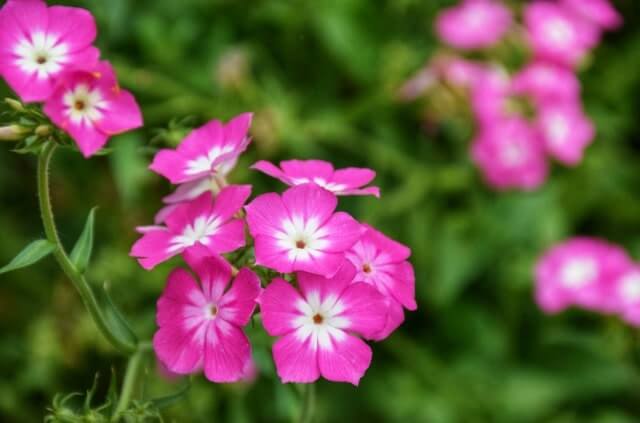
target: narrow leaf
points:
(81, 252)
(168, 400)
(116, 321)
(31, 254)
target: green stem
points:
(129, 382)
(78, 280)
(308, 403)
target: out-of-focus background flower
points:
(322, 78)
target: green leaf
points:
(31, 254)
(81, 252)
(168, 400)
(114, 318)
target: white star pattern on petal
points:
(197, 232)
(83, 105)
(302, 239)
(41, 55)
(320, 321)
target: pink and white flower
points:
(580, 271)
(186, 192)
(212, 149)
(90, 106)
(348, 181)
(566, 131)
(473, 24)
(557, 34)
(382, 263)
(317, 324)
(627, 294)
(510, 154)
(489, 95)
(203, 225)
(38, 43)
(200, 323)
(299, 230)
(546, 82)
(599, 12)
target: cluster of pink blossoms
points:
(47, 55)
(592, 274)
(522, 118)
(330, 281)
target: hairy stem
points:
(308, 403)
(78, 280)
(129, 382)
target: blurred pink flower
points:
(39, 43)
(461, 72)
(299, 230)
(319, 326)
(627, 295)
(348, 181)
(599, 12)
(545, 82)
(90, 106)
(510, 154)
(200, 324)
(201, 225)
(473, 24)
(382, 263)
(580, 271)
(557, 34)
(566, 130)
(489, 95)
(211, 149)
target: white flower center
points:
(512, 154)
(475, 16)
(204, 163)
(578, 272)
(630, 287)
(557, 129)
(320, 320)
(84, 105)
(197, 232)
(303, 239)
(559, 32)
(41, 54)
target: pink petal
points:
(296, 360)
(323, 263)
(170, 164)
(226, 352)
(272, 170)
(342, 232)
(73, 26)
(230, 200)
(235, 131)
(353, 177)
(270, 254)
(278, 307)
(187, 212)
(123, 113)
(365, 309)
(307, 169)
(180, 350)
(237, 304)
(152, 248)
(333, 286)
(201, 140)
(229, 237)
(309, 201)
(265, 213)
(395, 317)
(347, 361)
(213, 271)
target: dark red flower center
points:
(213, 310)
(300, 244)
(318, 319)
(366, 268)
(79, 105)
(41, 60)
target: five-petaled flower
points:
(38, 43)
(203, 225)
(90, 106)
(317, 324)
(200, 324)
(349, 181)
(300, 231)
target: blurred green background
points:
(321, 78)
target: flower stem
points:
(308, 403)
(78, 280)
(129, 382)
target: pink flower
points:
(186, 192)
(461, 72)
(557, 34)
(348, 181)
(627, 295)
(546, 82)
(490, 92)
(200, 324)
(317, 325)
(300, 231)
(202, 225)
(510, 154)
(566, 131)
(473, 24)
(211, 149)
(91, 107)
(382, 263)
(579, 271)
(38, 43)
(599, 12)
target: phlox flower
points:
(318, 325)
(566, 131)
(627, 295)
(211, 149)
(599, 12)
(90, 106)
(580, 271)
(490, 92)
(38, 43)
(473, 23)
(461, 72)
(348, 181)
(202, 225)
(299, 230)
(510, 154)
(200, 322)
(558, 35)
(382, 263)
(186, 192)
(546, 82)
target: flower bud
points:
(43, 130)
(14, 104)
(13, 132)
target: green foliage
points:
(32, 253)
(81, 253)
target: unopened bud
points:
(14, 104)
(43, 130)
(13, 132)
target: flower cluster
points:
(330, 282)
(592, 274)
(47, 55)
(533, 113)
